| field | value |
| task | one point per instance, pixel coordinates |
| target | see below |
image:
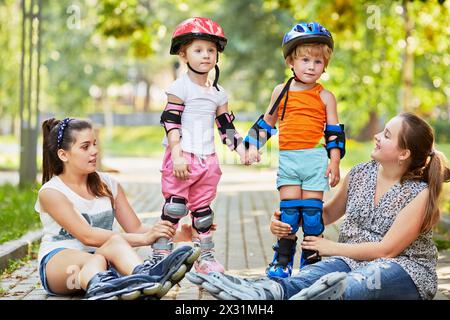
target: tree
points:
(384, 51)
(29, 89)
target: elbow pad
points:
(254, 136)
(228, 133)
(171, 116)
(338, 131)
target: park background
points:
(109, 61)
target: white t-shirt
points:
(98, 212)
(197, 120)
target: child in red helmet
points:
(190, 171)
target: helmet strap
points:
(297, 78)
(216, 68)
(216, 78)
(193, 70)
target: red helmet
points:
(198, 28)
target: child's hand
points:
(278, 228)
(333, 169)
(180, 167)
(253, 154)
(243, 157)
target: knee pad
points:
(312, 222)
(202, 219)
(174, 209)
(290, 213)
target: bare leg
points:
(63, 270)
(94, 265)
(119, 252)
(70, 270)
(312, 194)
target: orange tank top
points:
(304, 119)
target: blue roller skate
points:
(281, 266)
(170, 270)
(109, 285)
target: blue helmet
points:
(304, 32)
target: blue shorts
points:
(46, 259)
(42, 266)
(305, 168)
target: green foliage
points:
(85, 51)
(130, 19)
(365, 73)
(442, 130)
(9, 72)
(17, 214)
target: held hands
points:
(253, 154)
(249, 156)
(180, 167)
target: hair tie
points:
(432, 152)
(61, 129)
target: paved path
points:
(243, 208)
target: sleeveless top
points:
(97, 212)
(366, 222)
(304, 119)
(197, 119)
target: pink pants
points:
(201, 187)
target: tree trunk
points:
(29, 116)
(408, 62)
(371, 128)
(147, 95)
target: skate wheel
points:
(152, 290)
(194, 256)
(164, 289)
(131, 295)
(180, 273)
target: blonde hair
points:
(184, 47)
(314, 49)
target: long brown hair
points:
(426, 164)
(52, 164)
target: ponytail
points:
(427, 164)
(51, 164)
(435, 174)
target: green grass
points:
(17, 215)
(33, 250)
(8, 161)
(132, 141)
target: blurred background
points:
(109, 61)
